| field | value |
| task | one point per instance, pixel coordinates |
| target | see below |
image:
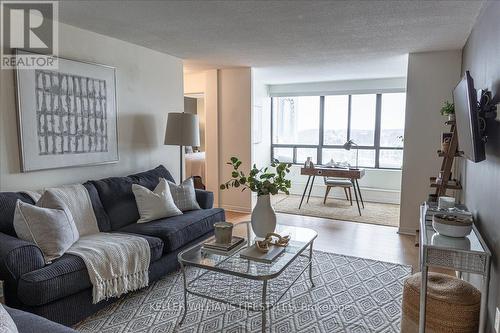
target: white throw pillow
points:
(184, 195)
(7, 325)
(156, 204)
(49, 224)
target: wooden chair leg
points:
(346, 196)
(326, 194)
(350, 195)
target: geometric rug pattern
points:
(350, 295)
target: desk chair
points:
(346, 184)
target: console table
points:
(468, 254)
(352, 174)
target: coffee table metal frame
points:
(264, 305)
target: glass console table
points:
(468, 254)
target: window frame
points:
(376, 143)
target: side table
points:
(469, 254)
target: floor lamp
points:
(182, 130)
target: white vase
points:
(263, 216)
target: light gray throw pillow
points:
(184, 195)
(156, 204)
(7, 325)
(49, 224)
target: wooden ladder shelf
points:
(444, 183)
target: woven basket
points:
(452, 305)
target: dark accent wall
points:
(481, 55)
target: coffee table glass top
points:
(301, 238)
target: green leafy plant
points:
(268, 180)
(447, 108)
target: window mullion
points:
(319, 154)
(349, 103)
(378, 117)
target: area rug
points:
(338, 209)
(350, 295)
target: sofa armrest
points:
(30, 323)
(205, 198)
(18, 257)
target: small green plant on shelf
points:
(263, 181)
(448, 109)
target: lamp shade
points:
(349, 144)
(182, 129)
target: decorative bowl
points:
(449, 225)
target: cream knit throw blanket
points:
(116, 263)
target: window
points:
(336, 118)
(298, 119)
(318, 127)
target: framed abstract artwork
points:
(66, 117)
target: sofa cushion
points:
(156, 204)
(184, 195)
(118, 199)
(7, 207)
(100, 213)
(49, 224)
(178, 230)
(150, 178)
(27, 322)
(65, 276)
(7, 325)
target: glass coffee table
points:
(243, 283)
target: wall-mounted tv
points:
(468, 121)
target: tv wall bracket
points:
(487, 109)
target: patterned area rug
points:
(350, 295)
(339, 209)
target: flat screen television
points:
(470, 139)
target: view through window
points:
(318, 127)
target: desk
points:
(469, 254)
(353, 175)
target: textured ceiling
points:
(287, 41)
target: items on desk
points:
(309, 164)
(340, 165)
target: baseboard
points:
(237, 209)
(407, 231)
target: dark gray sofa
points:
(62, 291)
(30, 323)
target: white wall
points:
(431, 79)
(235, 103)
(261, 103)
(261, 123)
(149, 85)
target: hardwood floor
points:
(352, 238)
